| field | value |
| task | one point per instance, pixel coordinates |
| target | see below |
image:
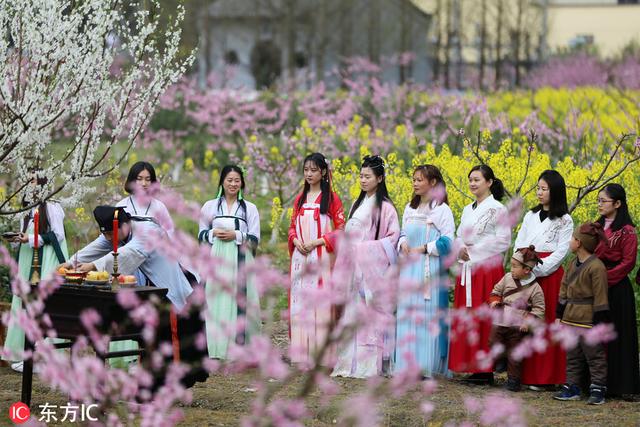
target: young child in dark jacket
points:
(583, 303)
(520, 296)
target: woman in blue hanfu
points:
(427, 233)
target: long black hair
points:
(223, 174)
(617, 194)
(43, 222)
(497, 188)
(376, 164)
(557, 194)
(429, 172)
(325, 184)
(134, 171)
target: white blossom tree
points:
(79, 81)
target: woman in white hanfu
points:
(362, 263)
(231, 225)
(483, 235)
(549, 228)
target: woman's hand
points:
(86, 267)
(225, 235)
(313, 244)
(464, 254)
(300, 246)
(22, 238)
(65, 265)
(418, 251)
(404, 248)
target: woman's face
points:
(143, 180)
(232, 183)
(479, 186)
(312, 173)
(421, 185)
(368, 180)
(607, 207)
(543, 193)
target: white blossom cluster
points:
(84, 72)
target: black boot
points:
(480, 378)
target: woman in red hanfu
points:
(317, 219)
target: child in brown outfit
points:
(584, 303)
(520, 296)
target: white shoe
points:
(19, 367)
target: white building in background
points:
(246, 43)
(609, 25)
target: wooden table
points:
(64, 307)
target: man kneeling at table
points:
(135, 253)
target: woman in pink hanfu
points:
(362, 263)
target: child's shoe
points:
(596, 394)
(568, 392)
(513, 385)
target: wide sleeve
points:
(93, 252)
(551, 263)
(600, 287)
(629, 245)
(336, 212)
(204, 223)
(403, 235)
(392, 228)
(447, 227)
(252, 236)
(523, 233)
(164, 218)
(459, 240)
(130, 256)
(537, 302)
(292, 226)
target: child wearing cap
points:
(519, 295)
(584, 303)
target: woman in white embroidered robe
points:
(549, 228)
(483, 236)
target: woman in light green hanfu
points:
(52, 250)
(232, 226)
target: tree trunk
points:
(373, 31)
(346, 28)
(498, 59)
(438, 44)
(517, 42)
(447, 47)
(290, 29)
(483, 44)
(458, 33)
(321, 40)
(405, 39)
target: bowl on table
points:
(72, 276)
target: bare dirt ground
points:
(224, 400)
